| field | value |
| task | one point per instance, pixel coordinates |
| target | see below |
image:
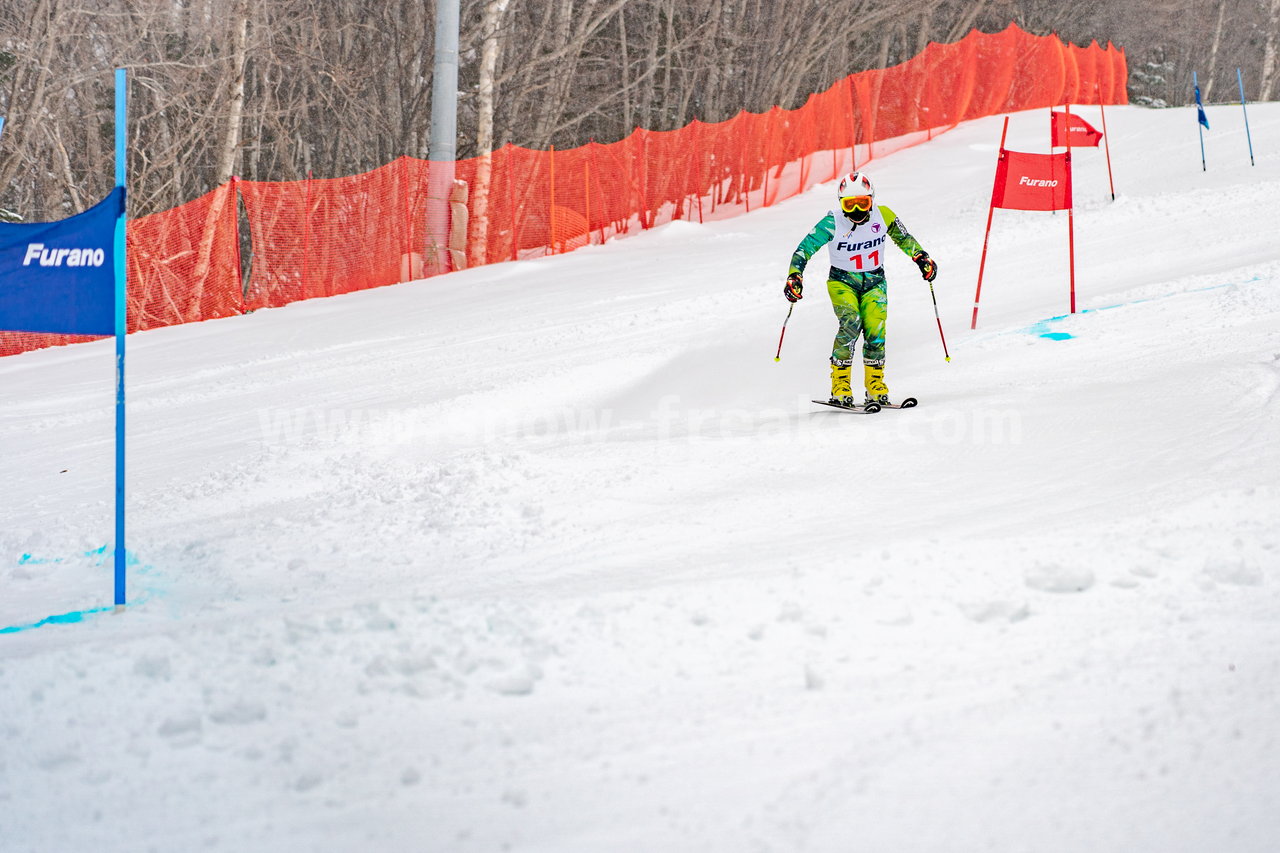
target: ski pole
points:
(778, 357)
(936, 317)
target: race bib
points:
(858, 249)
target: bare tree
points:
(494, 10)
(278, 90)
(235, 107)
(1214, 47)
(1272, 37)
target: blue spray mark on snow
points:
(30, 560)
(99, 556)
(59, 619)
(1044, 329)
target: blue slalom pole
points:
(121, 331)
(1247, 135)
(1199, 128)
(1, 124)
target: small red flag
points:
(1083, 134)
(1032, 181)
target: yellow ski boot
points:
(841, 385)
(873, 379)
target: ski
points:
(862, 410)
(908, 403)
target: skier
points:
(854, 233)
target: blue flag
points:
(59, 277)
(1200, 110)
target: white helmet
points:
(855, 185)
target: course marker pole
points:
(1106, 142)
(121, 308)
(1247, 135)
(1204, 167)
(991, 212)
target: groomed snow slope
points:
(553, 556)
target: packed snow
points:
(554, 556)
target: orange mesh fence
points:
(412, 219)
(324, 237)
(554, 201)
(184, 263)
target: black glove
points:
(928, 266)
(794, 289)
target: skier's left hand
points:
(795, 287)
(928, 266)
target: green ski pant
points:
(861, 305)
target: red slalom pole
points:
(991, 211)
(1071, 218)
(778, 357)
(982, 266)
(1106, 141)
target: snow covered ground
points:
(553, 556)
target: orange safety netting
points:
(412, 218)
(324, 237)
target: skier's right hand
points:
(794, 289)
(928, 266)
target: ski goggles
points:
(855, 202)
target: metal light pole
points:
(443, 150)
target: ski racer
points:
(854, 233)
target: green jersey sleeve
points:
(818, 237)
(899, 234)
